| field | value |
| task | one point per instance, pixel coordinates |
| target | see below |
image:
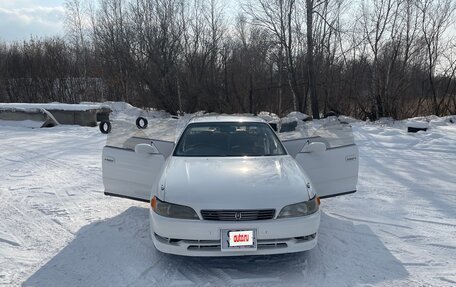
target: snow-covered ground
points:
(58, 229)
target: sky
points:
(19, 19)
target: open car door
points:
(330, 158)
(132, 162)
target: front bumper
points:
(202, 237)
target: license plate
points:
(238, 240)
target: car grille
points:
(238, 215)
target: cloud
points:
(22, 23)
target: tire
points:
(141, 123)
(105, 127)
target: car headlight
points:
(172, 210)
(299, 209)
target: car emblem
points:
(238, 215)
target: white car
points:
(230, 187)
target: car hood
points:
(234, 183)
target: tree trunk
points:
(310, 61)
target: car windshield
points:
(229, 139)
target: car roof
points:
(226, 118)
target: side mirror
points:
(314, 147)
(144, 148)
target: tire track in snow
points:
(432, 222)
(66, 173)
(28, 165)
(31, 156)
(38, 165)
(370, 221)
(243, 271)
(443, 246)
(447, 280)
(2, 240)
(167, 274)
(35, 215)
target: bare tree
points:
(277, 17)
(310, 59)
(436, 17)
(386, 58)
